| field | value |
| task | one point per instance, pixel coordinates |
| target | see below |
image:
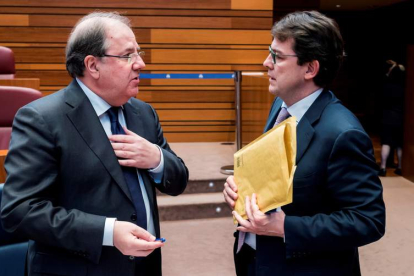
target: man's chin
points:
(133, 93)
(272, 90)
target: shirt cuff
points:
(278, 209)
(158, 172)
(108, 238)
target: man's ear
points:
(312, 70)
(91, 66)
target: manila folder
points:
(266, 167)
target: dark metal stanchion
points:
(229, 169)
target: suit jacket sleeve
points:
(355, 193)
(29, 205)
(175, 175)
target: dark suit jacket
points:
(64, 180)
(337, 196)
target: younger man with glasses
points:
(84, 163)
(337, 195)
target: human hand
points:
(132, 240)
(260, 223)
(135, 151)
(230, 191)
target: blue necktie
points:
(130, 174)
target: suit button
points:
(131, 258)
(134, 217)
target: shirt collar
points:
(299, 108)
(99, 105)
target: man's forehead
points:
(281, 46)
(118, 29)
(122, 36)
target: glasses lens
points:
(273, 54)
(134, 57)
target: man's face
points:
(118, 80)
(286, 77)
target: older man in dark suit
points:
(337, 196)
(84, 163)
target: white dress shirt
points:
(101, 106)
(298, 110)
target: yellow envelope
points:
(266, 167)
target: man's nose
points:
(139, 64)
(268, 63)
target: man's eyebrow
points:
(276, 50)
(132, 49)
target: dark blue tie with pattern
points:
(130, 174)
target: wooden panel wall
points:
(255, 106)
(191, 36)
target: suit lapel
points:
(85, 120)
(134, 121)
(305, 130)
(304, 134)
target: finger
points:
(232, 183)
(123, 146)
(121, 138)
(255, 207)
(142, 234)
(143, 245)
(230, 192)
(141, 250)
(228, 199)
(244, 229)
(248, 209)
(127, 131)
(241, 220)
(123, 154)
(127, 162)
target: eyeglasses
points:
(276, 57)
(132, 58)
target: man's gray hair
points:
(88, 37)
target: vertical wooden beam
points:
(408, 149)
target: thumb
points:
(128, 132)
(142, 234)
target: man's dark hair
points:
(315, 37)
(89, 38)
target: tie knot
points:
(283, 115)
(113, 113)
